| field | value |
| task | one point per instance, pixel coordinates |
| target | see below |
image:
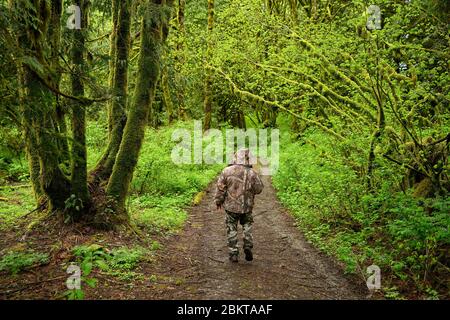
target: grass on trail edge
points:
(388, 228)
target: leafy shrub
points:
(13, 169)
(161, 189)
(125, 258)
(159, 219)
(114, 262)
(407, 237)
(19, 202)
(91, 256)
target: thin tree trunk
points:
(313, 10)
(112, 55)
(79, 152)
(54, 35)
(208, 80)
(293, 6)
(181, 58)
(381, 120)
(166, 95)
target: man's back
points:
(236, 188)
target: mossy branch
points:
(326, 97)
(326, 91)
(333, 69)
(250, 97)
(47, 83)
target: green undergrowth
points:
(13, 164)
(92, 260)
(121, 262)
(407, 237)
(15, 203)
(161, 190)
(14, 261)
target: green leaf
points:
(101, 264)
(91, 282)
(86, 268)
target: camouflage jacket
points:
(236, 188)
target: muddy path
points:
(285, 265)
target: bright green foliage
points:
(126, 259)
(88, 257)
(161, 190)
(407, 237)
(76, 294)
(16, 261)
(17, 202)
(119, 262)
(157, 218)
(13, 166)
(364, 118)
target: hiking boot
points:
(248, 254)
(234, 258)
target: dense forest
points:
(92, 91)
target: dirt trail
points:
(285, 266)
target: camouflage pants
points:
(232, 220)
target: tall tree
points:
(209, 75)
(154, 30)
(181, 57)
(79, 153)
(37, 103)
(112, 54)
(54, 36)
(119, 88)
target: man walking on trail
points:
(236, 189)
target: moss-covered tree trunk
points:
(27, 119)
(153, 32)
(54, 182)
(79, 152)
(167, 99)
(181, 59)
(119, 87)
(112, 54)
(54, 37)
(38, 107)
(207, 104)
(31, 150)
